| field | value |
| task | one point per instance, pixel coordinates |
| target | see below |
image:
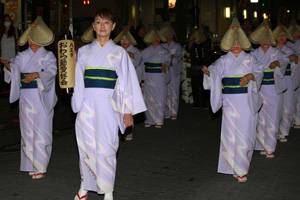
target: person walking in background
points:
(291, 77)
(175, 71)
(294, 30)
(234, 80)
(32, 75)
(140, 33)
(199, 50)
(156, 60)
(106, 95)
(127, 41)
(9, 45)
(273, 85)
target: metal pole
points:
(71, 17)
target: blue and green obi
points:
(32, 84)
(100, 77)
(268, 78)
(153, 67)
(288, 70)
(231, 85)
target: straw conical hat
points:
(38, 32)
(235, 32)
(294, 28)
(262, 32)
(127, 34)
(88, 35)
(152, 35)
(198, 34)
(167, 30)
(282, 29)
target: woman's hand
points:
(164, 68)
(5, 63)
(128, 120)
(274, 64)
(205, 70)
(131, 55)
(31, 76)
(293, 58)
(245, 80)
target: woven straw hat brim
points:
(152, 35)
(261, 33)
(198, 35)
(38, 32)
(294, 28)
(167, 31)
(235, 32)
(282, 29)
(128, 35)
(88, 35)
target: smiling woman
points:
(106, 95)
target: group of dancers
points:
(258, 90)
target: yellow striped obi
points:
(100, 77)
(32, 84)
(153, 67)
(231, 85)
(288, 70)
(268, 78)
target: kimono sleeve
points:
(280, 83)
(78, 95)
(176, 62)
(254, 98)
(136, 61)
(127, 97)
(167, 61)
(46, 82)
(214, 83)
(14, 77)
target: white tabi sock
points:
(108, 196)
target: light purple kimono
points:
(155, 85)
(271, 91)
(136, 61)
(239, 116)
(296, 47)
(292, 81)
(36, 106)
(175, 72)
(100, 111)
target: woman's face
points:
(236, 48)
(124, 42)
(34, 47)
(7, 19)
(296, 37)
(103, 27)
(156, 41)
(281, 39)
(265, 43)
(170, 38)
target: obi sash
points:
(100, 77)
(231, 85)
(32, 84)
(268, 78)
(288, 70)
(153, 67)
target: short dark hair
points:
(104, 14)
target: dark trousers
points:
(200, 96)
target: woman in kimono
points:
(291, 77)
(106, 95)
(273, 85)
(294, 30)
(156, 60)
(175, 71)
(32, 76)
(127, 41)
(234, 80)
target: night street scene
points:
(150, 99)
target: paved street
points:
(177, 162)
